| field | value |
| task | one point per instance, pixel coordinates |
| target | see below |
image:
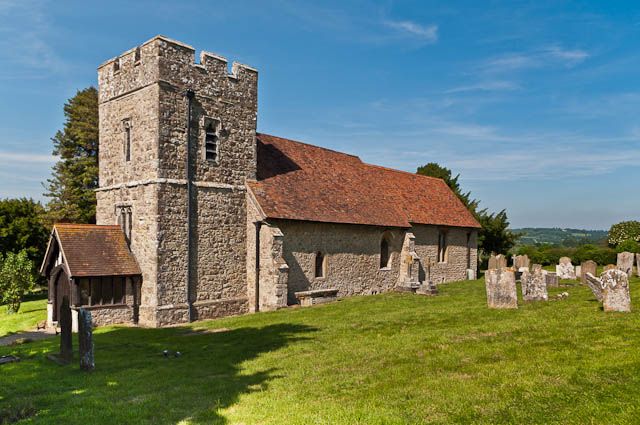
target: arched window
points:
(320, 264)
(442, 246)
(385, 257)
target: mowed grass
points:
(31, 312)
(385, 359)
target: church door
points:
(62, 290)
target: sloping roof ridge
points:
(99, 226)
(311, 145)
(402, 171)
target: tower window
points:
(127, 140)
(442, 247)
(116, 65)
(136, 56)
(211, 137)
(385, 256)
(125, 221)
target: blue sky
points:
(536, 104)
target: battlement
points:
(170, 61)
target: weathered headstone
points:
(497, 262)
(588, 266)
(471, 274)
(520, 261)
(501, 288)
(609, 267)
(595, 285)
(565, 269)
(625, 262)
(66, 342)
(637, 264)
(534, 284)
(551, 279)
(616, 291)
(85, 340)
(578, 272)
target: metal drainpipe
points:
(257, 288)
(189, 94)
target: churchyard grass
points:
(31, 312)
(384, 359)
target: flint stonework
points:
(501, 289)
(85, 340)
(565, 269)
(534, 284)
(588, 266)
(625, 262)
(616, 291)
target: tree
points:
(629, 245)
(22, 228)
(75, 175)
(16, 279)
(495, 235)
(625, 230)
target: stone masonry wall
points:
(352, 254)
(454, 269)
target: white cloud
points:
(549, 56)
(486, 86)
(428, 33)
(26, 158)
(569, 57)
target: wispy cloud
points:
(547, 56)
(568, 56)
(26, 158)
(486, 86)
(427, 33)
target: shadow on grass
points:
(135, 383)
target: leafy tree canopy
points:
(495, 235)
(16, 279)
(22, 228)
(625, 230)
(75, 175)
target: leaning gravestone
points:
(616, 291)
(534, 284)
(501, 288)
(565, 269)
(625, 262)
(588, 266)
(497, 262)
(66, 343)
(595, 285)
(85, 340)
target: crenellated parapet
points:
(162, 59)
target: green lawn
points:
(30, 313)
(385, 359)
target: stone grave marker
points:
(520, 261)
(85, 340)
(595, 284)
(551, 279)
(625, 262)
(534, 284)
(66, 342)
(638, 265)
(501, 288)
(565, 269)
(616, 291)
(609, 267)
(588, 266)
(497, 262)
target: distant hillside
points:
(557, 236)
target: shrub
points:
(16, 279)
(629, 245)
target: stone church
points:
(199, 216)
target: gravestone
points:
(66, 343)
(520, 261)
(551, 279)
(578, 271)
(616, 291)
(588, 266)
(625, 262)
(637, 264)
(595, 285)
(565, 269)
(85, 340)
(534, 284)
(471, 274)
(609, 267)
(497, 262)
(501, 288)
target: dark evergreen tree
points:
(435, 170)
(75, 175)
(22, 228)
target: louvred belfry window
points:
(211, 141)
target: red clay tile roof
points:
(297, 181)
(92, 250)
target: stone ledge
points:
(317, 296)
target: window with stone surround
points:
(211, 139)
(385, 254)
(320, 264)
(442, 246)
(125, 220)
(126, 124)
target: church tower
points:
(177, 144)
